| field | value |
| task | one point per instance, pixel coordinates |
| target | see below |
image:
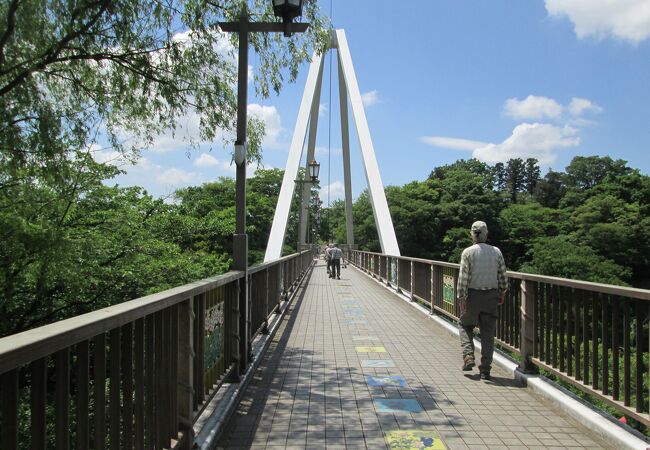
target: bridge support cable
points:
(281, 216)
(348, 88)
(311, 149)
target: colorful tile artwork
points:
(377, 363)
(397, 405)
(392, 380)
(364, 349)
(414, 439)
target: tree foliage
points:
(589, 222)
(75, 74)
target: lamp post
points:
(315, 229)
(287, 10)
(313, 169)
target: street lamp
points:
(313, 169)
(240, 240)
(287, 10)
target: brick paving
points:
(312, 389)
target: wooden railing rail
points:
(135, 374)
(593, 336)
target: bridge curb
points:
(599, 422)
(209, 427)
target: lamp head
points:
(287, 9)
(240, 153)
(314, 170)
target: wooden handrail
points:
(623, 291)
(22, 348)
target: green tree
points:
(550, 190)
(365, 231)
(516, 176)
(206, 214)
(127, 66)
(73, 74)
(415, 225)
(585, 172)
(499, 176)
(532, 175)
(465, 194)
(523, 224)
(563, 256)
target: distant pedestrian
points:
(328, 259)
(481, 289)
(336, 254)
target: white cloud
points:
(175, 176)
(324, 151)
(453, 143)
(628, 20)
(272, 123)
(579, 106)
(532, 107)
(322, 109)
(530, 140)
(206, 160)
(336, 191)
(370, 98)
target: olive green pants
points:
(480, 310)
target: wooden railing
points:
(590, 335)
(136, 374)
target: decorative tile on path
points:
(364, 349)
(397, 405)
(382, 381)
(377, 363)
(412, 439)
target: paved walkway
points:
(353, 366)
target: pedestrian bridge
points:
(367, 361)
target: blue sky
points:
(446, 80)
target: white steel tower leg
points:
(387, 237)
(279, 226)
(311, 100)
(311, 146)
(345, 142)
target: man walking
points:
(335, 254)
(481, 289)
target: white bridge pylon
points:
(309, 114)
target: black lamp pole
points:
(240, 238)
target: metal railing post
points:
(412, 281)
(234, 331)
(397, 288)
(388, 270)
(433, 286)
(186, 357)
(265, 327)
(527, 326)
